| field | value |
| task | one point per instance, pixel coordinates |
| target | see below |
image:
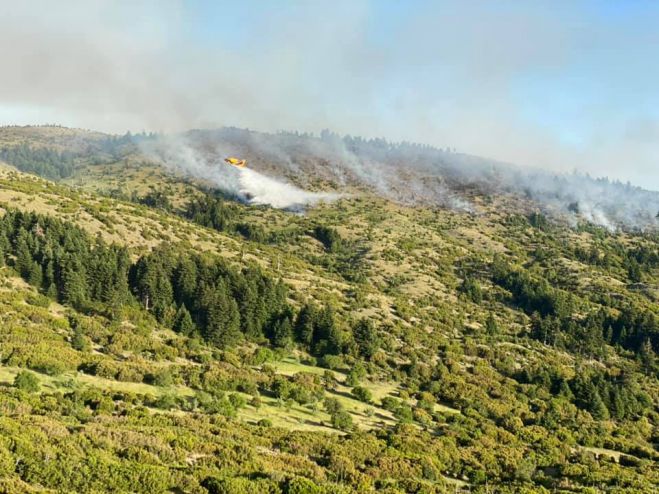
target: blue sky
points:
(561, 85)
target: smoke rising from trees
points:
(404, 172)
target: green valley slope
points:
(492, 351)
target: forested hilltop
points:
(160, 336)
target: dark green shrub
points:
(27, 381)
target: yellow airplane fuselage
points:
(238, 163)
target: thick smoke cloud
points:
(411, 174)
(558, 85)
(180, 156)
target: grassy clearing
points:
(609, 453)
(78, 379)
(295, 417)
(289, 366)
(286, 415)
(365, 415)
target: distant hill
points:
(407, 173)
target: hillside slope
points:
(178, 340)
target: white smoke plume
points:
(247, 185)
(404, 172)
(260, 189)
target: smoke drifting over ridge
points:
(407, 173)
(178, 155)
(577, 93)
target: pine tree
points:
(619, 406)
(35, 274)
(282, 333)
(222, 319)
(73, 287)
(252, 308)
(23, 255)
(183, 321)
(49, 274)
(304, 324)
(326, 335)
(153, 284)
(185, 281)
(51, 291)
(597, 408)
(367, 339)
(5, 246)
(647, 356)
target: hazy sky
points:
(561, 85)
